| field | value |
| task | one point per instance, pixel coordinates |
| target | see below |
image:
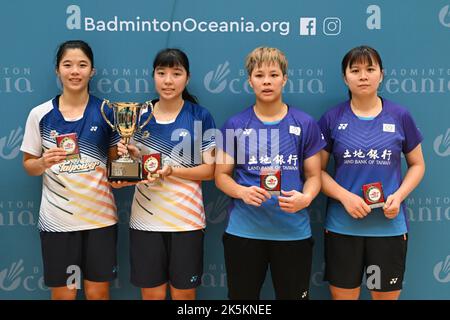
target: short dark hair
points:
(361, 54)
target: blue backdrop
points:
(412, 37)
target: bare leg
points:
(64, 293)
(389, 295)
(344, 294)
(96, 290)
(182, 294)
(155, 293)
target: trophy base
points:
(124, 171)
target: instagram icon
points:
(332, 26)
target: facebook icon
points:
(307, 26)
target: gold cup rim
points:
(123, 103)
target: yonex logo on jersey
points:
(295, 130)
(194, 278)
(393, 281)
(183, 134)
(304, 294)
(342, 126)
(94, 128)
(388, 127)
(247, 132)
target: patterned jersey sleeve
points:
(208, 131)
(32, 142)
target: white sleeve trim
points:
(32, 140)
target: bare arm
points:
(297, 200)
(354, 205)
(416, 170)
(224, 181)
(35, 166)
(312, 169)
(202, 172)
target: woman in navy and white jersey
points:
(167, 216)
(77, 216)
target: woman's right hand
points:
(53, 156)
(132, 149)
(254, 196)
(355, 206)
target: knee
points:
(182, 294)
(97, 293)
(156, 293)
(67, 294)
(344, 294)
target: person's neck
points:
(72, 105)
(272, 111)
(166, 110)
(366, 106)
(73, 100)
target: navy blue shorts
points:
(381, 259)
(247, 261)
(166, 257)
(93, 252)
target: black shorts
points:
(247, 260)
(160, 257)
(381, 259)
(92, 251)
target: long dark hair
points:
(363, 54)
(74, 44)
(171, 57)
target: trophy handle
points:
(105, 101)
(148, 104)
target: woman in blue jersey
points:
(77, 217)
(267, 147)
(366, 225)
(167, 216)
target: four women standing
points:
(272, 179)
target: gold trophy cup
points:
(127, 116)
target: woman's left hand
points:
(293, 201)
(392, 206)
(165, 171)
